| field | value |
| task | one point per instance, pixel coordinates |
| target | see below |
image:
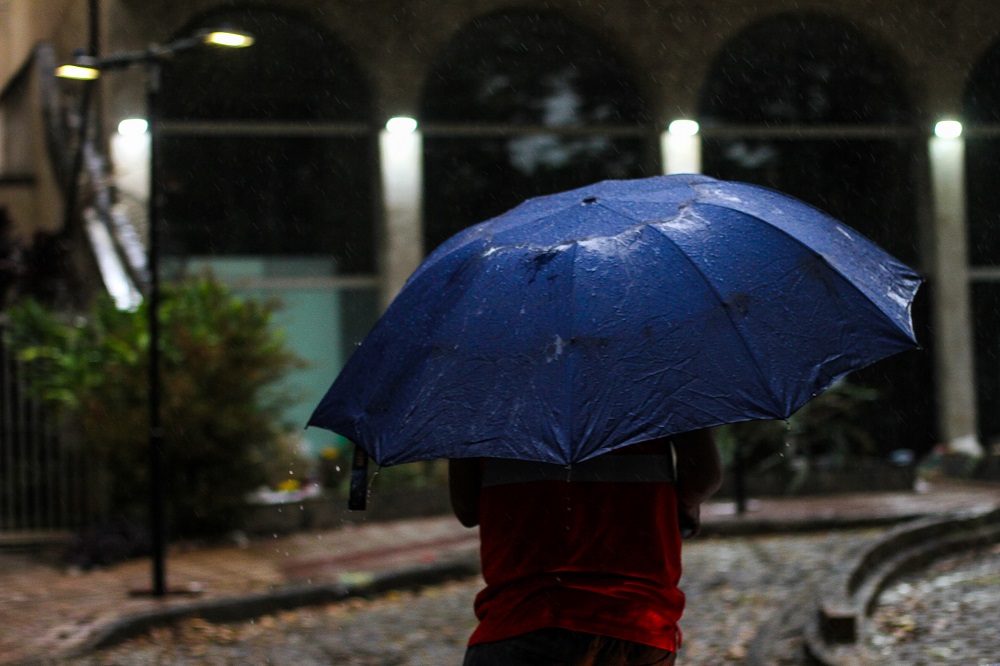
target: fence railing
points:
(46, 483)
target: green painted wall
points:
(322, 320)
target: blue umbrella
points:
(588, 320)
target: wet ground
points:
(734, 585)
(948, 613)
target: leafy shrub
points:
(830, 430)
(220, 359)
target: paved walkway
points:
(47, 610)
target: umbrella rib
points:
(570, 365)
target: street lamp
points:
(89, 68)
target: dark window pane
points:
(981, 104)
(292, 72)
(865, 183)
(529, 68)
(982, 157)
(801, 69)
(986, 314)
(981, 101)
(252, 196)
(256, 196)
(471, 180)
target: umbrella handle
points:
(357, 500)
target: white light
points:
(948, 129)
(683, 127)
(133, 127)
(401, 125)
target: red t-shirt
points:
(599, 555)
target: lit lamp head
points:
(133, 126)
(401, 125)
(948, 129)
(82, 68)
(683, 127)
(228, 38)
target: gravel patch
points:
(946, 613)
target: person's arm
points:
(464, 483)
(699, 475)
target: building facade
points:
(281, 176)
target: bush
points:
(220, 360)
(830, 431)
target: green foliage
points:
(830, 429)
(834, 425)
(220, 361)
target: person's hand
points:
(689, 520)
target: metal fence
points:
(46, 483)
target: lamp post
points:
(90, 68)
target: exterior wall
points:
(24, 23)
(669, 46)
(32, 195)
(19, 200)
(35, 202)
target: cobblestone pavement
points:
(734, 586)
(946, 613)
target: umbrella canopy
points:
(588, 320)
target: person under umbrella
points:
(582, 566)
(563, 355)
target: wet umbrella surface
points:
(584, 321)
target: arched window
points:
(981, 112)
(271, 155)
(806, 105)
(268, 165)
(520, 104)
